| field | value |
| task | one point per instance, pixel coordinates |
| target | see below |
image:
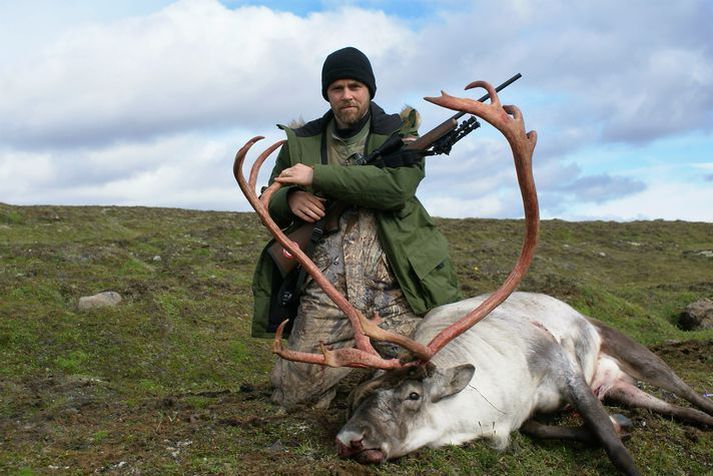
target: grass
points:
(169, 382)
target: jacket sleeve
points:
(278, 207)
(369, 186)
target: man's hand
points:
(306, 206)
(299, 174)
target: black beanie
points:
(348, 63)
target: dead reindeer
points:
(533, 354)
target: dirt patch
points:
(689, 353)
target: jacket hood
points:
(381, 123)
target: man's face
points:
(349, 100)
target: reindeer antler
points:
(509, 121)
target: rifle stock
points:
(302, 236)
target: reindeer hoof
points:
(622, 425)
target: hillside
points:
(169, 381)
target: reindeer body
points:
(520, 353)
(533, 354)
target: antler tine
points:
(345, 357)
(238, 165)
(508, 120)
(255, 169)
(260, 205)
(248, 188)
(266, 194)
(417, 350)
(492, 93)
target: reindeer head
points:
(392, 414)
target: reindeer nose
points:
(350, 444)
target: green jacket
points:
(417, 252)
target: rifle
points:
(437, 141)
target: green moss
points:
(150, 387)
(11, 216)
(136, 267)
(99, 436)
(24, 472)
(74, 362)
(239, 351)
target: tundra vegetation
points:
(169, 381)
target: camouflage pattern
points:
(353, 260)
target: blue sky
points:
(145, 102)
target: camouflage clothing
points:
(352, 259)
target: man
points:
(387, 255)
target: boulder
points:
(105, 299)
(697, 315)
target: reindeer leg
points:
(566, 374)
(583, 434)
(581, 397)
(629, 394)
(642, 364)
(554, 432)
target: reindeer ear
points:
(450, 381)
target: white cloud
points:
(197, 63)
(708, 166)
(661, 200)
(147, 108)
(21, 172)
(190, 65)
(189, 171)
(445, 206)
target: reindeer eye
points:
(413, 396)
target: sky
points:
(145, 102)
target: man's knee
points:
(296, 383)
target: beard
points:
(350, 116)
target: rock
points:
(107, 298)
(696, 253)
(277, 447)
(697, 315)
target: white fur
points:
(503, 392)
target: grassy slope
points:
(169, 382)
